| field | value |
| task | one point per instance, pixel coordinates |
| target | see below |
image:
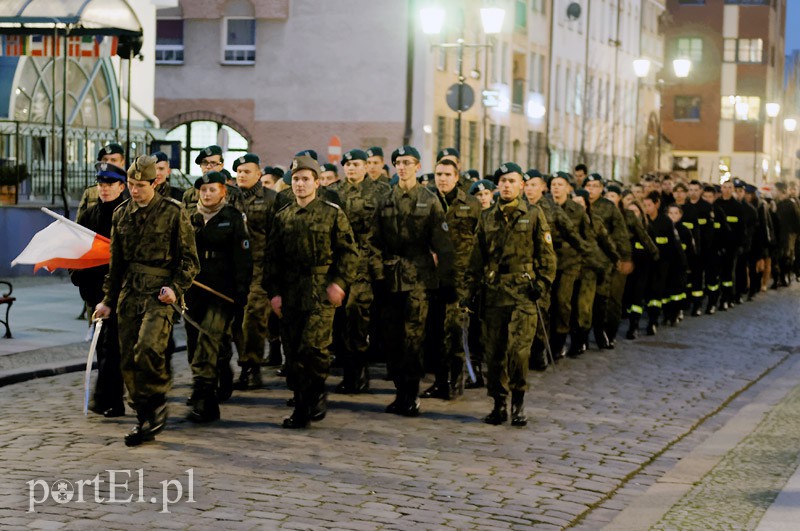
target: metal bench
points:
(8, 300)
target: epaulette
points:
(173, 201)
(429, 191)
(285, 206)
(122, 204)
(334, 205)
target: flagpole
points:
(72, 224)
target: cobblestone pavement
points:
(602, 428)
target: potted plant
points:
(9, 176)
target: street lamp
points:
(641, 67)
(432, 22)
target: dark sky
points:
(792, 25)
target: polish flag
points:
(65, 244)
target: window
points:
(687, 108)
(169, 41)
(748, 2)
(197, 135)
(729, 51)
(692, 2)
(240, 41)
(521, 15)
(441, 125)
(750, 50)
(690, 48)
(742, 108)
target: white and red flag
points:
(65, 244)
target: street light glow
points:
(432, 20)
(641, 67)
(773, 109)
(681, 67)
(492, 19)
(790, 124)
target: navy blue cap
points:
(108, 173)
(354, 154)
(750, 189)
(375, 151)
(405, 151)
(160, 156)
(506, 167)
(448, 152)
(307, 153)
(112, 148)
(483, 184)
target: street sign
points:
(467, 96)
(334, 149)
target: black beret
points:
(375, 151)
(109, 173)
(329, 167)
(354, 154)
(405, 151)
(738, 183)
(483, 184)
(210, 177)
(506, 167)
(210, 151)
(425, 177)
(533, 174)
(593, 177)
(614, 188)
(750, 189)
(472, 174)
(225, 173)
(583, 193)
(244, 159)
(287, 177)
(274, 170)
(307, 153)
(160, 156)
(717, 188)
(110, 149)
(448, 152)
(563, 175)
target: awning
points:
(83, 17)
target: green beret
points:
(583, 193)
(354, 154)
(614, 188)
(307, 152)
(210, 151)
(448, 152)
(506, 167)
(160, 156)
(593, 177)
(375, 151)
(480, 186)
(208, 178)
(533, 173)
(244, 159)
(225, 173)
(112, 148)
(472, 174)
(329, 167)
(563, 175)
(305, 162)
(405, 151)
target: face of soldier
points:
(638, 191)
(739, 193)
(356, 170)
(486, 197)
(407, 168)
(627, 200)
(613, 197)
(534, 188)
(510, 186)
(695, 192)
(580, 200)
(727, 190)
(212, 163)
(212, 193)
(247, 175)
(268, 180)
(162, 171)
(580, 176)
(304, 185)
(327, 178)
(114, 158)
(559, 188)
(142, 191)
(446, 178)
(595, 189)
(709, 197)
(666, 186)
(674, 214)
(650, 208)
(374, 167)
(110, 191)
(680, 195)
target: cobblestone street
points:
(603, 429)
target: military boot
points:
(244, 375)
(254, 380)
(300, 417)
(274, 358)
(150, 423)
(318, 402)
(611, 334)
(456, 379)
(205, 407)
(499, 413)
(440, 387)
(225, 380)
(577, 345)
(652, 322)
(697, 307)
(411, 404)
(600, 337)
(557, 343)
(399, 399)
(478, 383)
(361, 381)
(518, 417)
(538, 359)
(633, 326)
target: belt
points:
(515, 268)
(136, 267)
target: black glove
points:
(534, 292)
(448, 294)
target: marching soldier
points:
(411, 233)
(644, 253)
(788, 217)
(111, 153)
(153, 262)
(162, 177)
(210, 159)
(226, 266)
(451, 153)
(360, 196)
(311, 260)
(733, 246)
(749, 227)
(376, 165)
(329, 178)
(483, 190)
(514, 263)
(763, 241)
(663, 233)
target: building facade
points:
(717, 117)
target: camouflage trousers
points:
(404, 333)
(563, 289)
(508, 333)
(587, 289)
(145, 326)
(204, 348)
(610, 316)
(306, 338)
(250, 333)
(357, 324)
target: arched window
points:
(199, 134)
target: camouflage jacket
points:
(510, 253)
(409, 227)
(167, 190)
(615, 225)
(566, 235)
(360, 203)
(151, 247)
(309, 248)
(462, 217)
(259, 208)
(570, 257)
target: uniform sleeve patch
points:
(445, 227)
(245, 244)
(548, 237)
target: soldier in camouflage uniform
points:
(361, 197)
(250, 329)
(311, 259)
(210, 159)
(451, 153)
(162, 177)
(111, 153)
(410, 228)
(375, 164)
(514, 263)
(462, 212)
(226, 266)
(153, 262)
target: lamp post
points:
(641, 67)
(433, 19)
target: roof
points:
(84, 17)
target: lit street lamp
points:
(432, 21)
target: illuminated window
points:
(740, 108)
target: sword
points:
(465, 343)
(98, 326)
(547, 349)
(182, 311)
